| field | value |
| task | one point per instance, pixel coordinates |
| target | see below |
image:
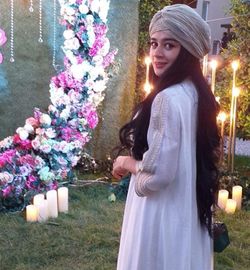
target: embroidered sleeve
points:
(159, 164)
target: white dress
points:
(161, 229)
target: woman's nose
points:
(158, 51)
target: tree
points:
(238, 48)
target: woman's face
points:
(163, 51)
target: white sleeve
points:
(159, 164)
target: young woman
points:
(174, 142)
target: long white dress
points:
(161, 229)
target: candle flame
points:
(222, 117)
(236, 91)
(235, 65)
(147, 60)
(213, 64)
(147, 88)
(217, 99)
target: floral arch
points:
(43, 152)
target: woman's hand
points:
(122, 165)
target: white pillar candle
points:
(38, 198)
(237, 196)
(52, 203)
(231, 206)
(43, 211)
(63, 199)
(42, 207)
(31, 213)
(222, 198)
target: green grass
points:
(88, 237)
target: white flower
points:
(78, 71)
(23, 133)
(89, 19)
(50, 133)
(68, 34)
(65, 113)
(83, 121)
(53, 109)
(45, 119)
(98, 59)
(70, 55)
(95, 6)
(72, 44)
(72, 2)
(91, 36)
(99, 86)
(95, 72)
(46, 148)
(83, 9)
(105, 49)
(29, 128)
(69, 11)
(103, 12)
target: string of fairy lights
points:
(33, 6)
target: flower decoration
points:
(43, 152)
(3, 40)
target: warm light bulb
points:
(235, 65)
(147, 88)
(147, 61)
(222, 116)
(236, 92)
(213, 64)
(217, 99)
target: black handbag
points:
(220, 236)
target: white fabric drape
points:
(161, 229)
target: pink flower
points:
(6, 191)
(23, 144)
(109, 58)
(32, 121)
(27, 159)
(98, 44)
(3, 37)
(90, 114)
(7, 156)
(1, 58)
(29, 182)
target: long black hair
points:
(133, 135)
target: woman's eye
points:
(169, 46)
(153, 44)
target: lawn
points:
(88, 237)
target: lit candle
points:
(31, 213)
(63, 201)
(222, 198)
(237, 196)
(222, 118)
(230, 206)
(52, 203)
(235, 66)
(213, 65)
(204, 67)
(236, 92)
(147, 86)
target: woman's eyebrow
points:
(165, 39)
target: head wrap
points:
(186, 27)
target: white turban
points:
(186, 26)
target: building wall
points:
(216, 16)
